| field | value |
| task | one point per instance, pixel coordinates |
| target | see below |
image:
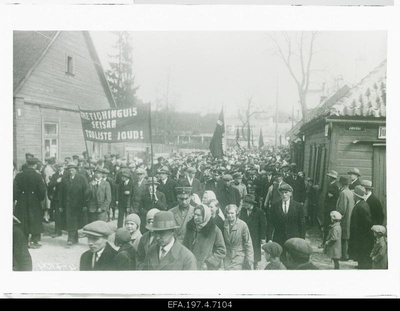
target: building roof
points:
(23, 61)
(366, 99)
(31, 46)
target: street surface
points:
(55, 255)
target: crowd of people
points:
(193, 212)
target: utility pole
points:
(277, 112)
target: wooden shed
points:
(347, 130)
(55, 73)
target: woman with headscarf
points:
(239, 246)
(204, 239)
(208, 197)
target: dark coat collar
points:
(206, 230)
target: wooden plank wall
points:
(50, 85)
(347, 155)
(316, 137)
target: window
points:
(69, 65)
(50, 140)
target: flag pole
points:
(87, 149)
(151, 154)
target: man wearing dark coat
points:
(100, 256)
(213, 183)
(53, 192)
(139, 189)
(191, 181)
(22, 260)
(167, 186)
(29, 192)
(377, 215)
(255, 219)
(124, 197)
(227, 194)
(108, 177)
(168, 253)
(286, 218)
(151, 200)
(73, 202)
(331, 197)
(99, 197)
(298, 185)
(361, 239)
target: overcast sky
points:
(209, 69)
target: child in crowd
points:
(379, 252)
(273, 253)
(132, 224)
(333, 244)
(125, 259)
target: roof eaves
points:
(30, 71)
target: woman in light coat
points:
(239, 247)
(204, 239)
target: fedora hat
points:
(367, 184)
(354, 171)
(164, 220)
(359, 191)
(333, 174)
(250, 198)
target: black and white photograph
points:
(216, 153)
(271, 156)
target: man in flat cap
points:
(73, 201)
(344, 206)
(108, 177)
(354, 178)
(213, 183)
(168, 186)
(124, 196)
(99, 197)
(298, 253)
(331, 198)
(377, 215)
(286, 218)
(157, 166)
(168, 253)
(239, 185)
(183, 212)
(191, 181)
(227, 194)
(101, 254)
(140, 187)
(361, 239)
(273, 194)
(53, 192)
(152, 198)
(29, 192)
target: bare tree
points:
(245, 117)
(297, 50)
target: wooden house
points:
(55, 73)
(347, 130)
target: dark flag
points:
(260, 140)
(217, 145)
